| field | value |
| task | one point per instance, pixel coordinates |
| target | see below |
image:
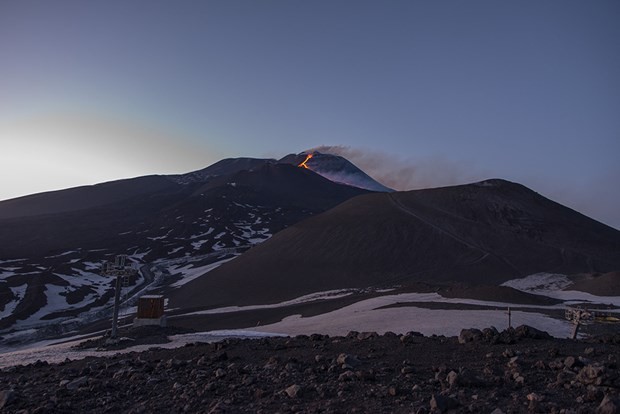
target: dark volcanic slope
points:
(113, 192)
(141, 221)
(41, 255)
(85, 197)
(607, 284)
(278, 184)
(221, 168)
(483, 233)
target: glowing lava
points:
(303, 164)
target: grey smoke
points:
(402, 173)
(592, 197)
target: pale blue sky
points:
(461, 90)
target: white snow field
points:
(330, 294)
(189, 272)
(53, 353)
(364, 315)
(554, 285)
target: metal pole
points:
(576, 321)
(509, 318)
(117, 297)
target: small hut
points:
(150, 311)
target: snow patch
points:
(198, 244)
(55, 301)
(5, 274)
(11, 261)
(329, 294)
(363, 316)
(190, 273)
(175, 250)
(139, 256)
(165, 236)
(18, 292)
(539, 283)
(53, 352)
(197, 236)
(61, 254)
(553, 285)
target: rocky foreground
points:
(518, 370)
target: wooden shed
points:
(150, 307)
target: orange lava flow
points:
(303, 164)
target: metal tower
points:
(121, 271)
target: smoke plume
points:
(402, 173)
(591, 197)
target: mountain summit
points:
(335, 168)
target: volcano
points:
(257, 233)
(52, 244)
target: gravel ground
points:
(518, 370)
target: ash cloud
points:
(591, 197)
(402, 173)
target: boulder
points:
(77, 383)
(441, 403)
(609, 405)
(452, 379)
(347, 359)
(591, 374)
(470, 335)
(367, 335)
(490, 334)
(293, 391)
(525, 331)
(6, 397)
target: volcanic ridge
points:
(305, 244)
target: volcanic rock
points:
(303, 377)
(293, 391)
(77, 383)
(6, 397)
(441, 403)
(470, 335)
(609, 405)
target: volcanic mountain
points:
(478, 234)
(52, 244)
(299, 226)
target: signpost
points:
(580, 317)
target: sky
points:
(422, 93)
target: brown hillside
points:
(484, 233)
